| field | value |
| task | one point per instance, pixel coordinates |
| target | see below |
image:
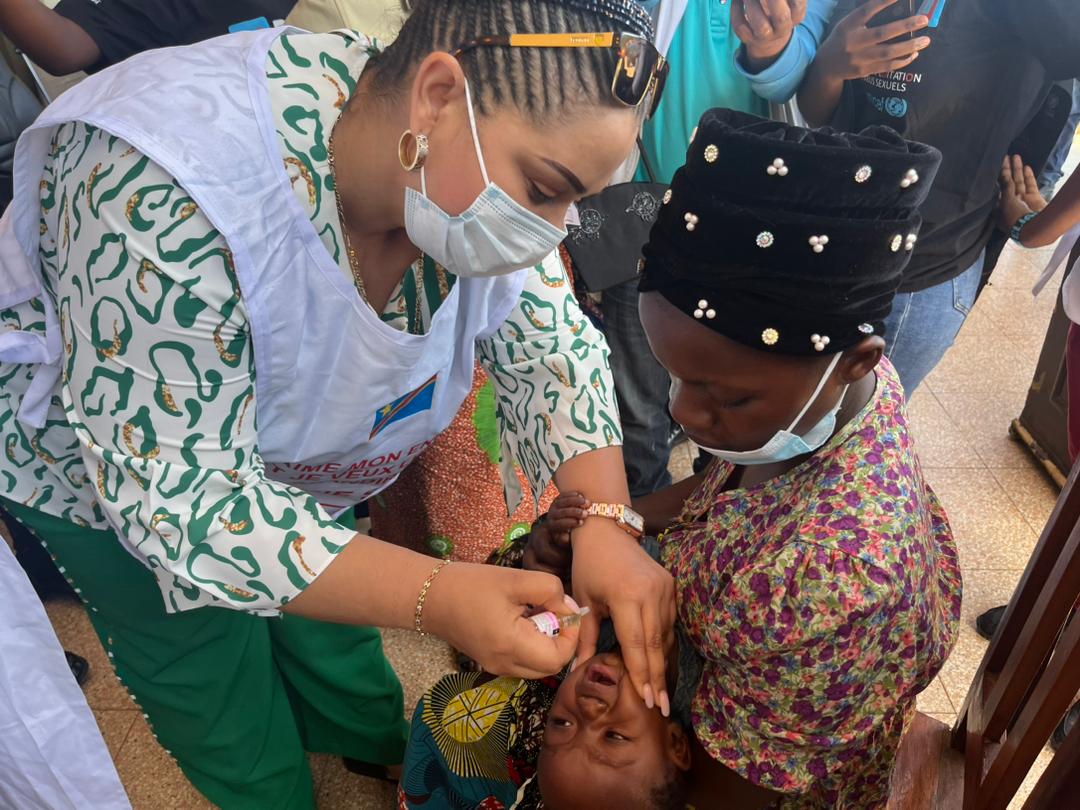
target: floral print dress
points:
(823, 601)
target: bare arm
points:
(50, 39)
(1020, 195)
(479, 609)
(1061, 214)
(819, 95)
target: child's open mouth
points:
(604, 676)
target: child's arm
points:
(548, 548)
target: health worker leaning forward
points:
(203, 278)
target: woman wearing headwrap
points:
(815, 569)
(816, 572)
(242, 297)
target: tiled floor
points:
(997, 497)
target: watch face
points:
(634, 520)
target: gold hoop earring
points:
(419, 150)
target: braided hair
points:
(540, 82)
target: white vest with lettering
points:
(344, 401)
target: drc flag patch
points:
(413, 403)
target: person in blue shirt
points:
(741, 54)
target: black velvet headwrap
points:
(785, 239)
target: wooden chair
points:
(1028, 678)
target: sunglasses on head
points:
(641, 68)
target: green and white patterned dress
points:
(153, 429)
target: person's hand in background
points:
(1019, 181)
(765, 28)
(856, 48)
(1019, 193)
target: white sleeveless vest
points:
(343, 401)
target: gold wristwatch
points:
(626, 518)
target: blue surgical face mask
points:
(786, 445)
(494, 236)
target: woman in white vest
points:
(244, 283)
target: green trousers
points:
(236, 699)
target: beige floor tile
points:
(1033, 779)
(341, 790)
(1018, 268)
(319, 764)
(151, 777)
(990, 532)
(115, 724)
(939, 441)
(982, 590)
(1013, 271)
(935, 700)
(73, 628)
(985, 360)
(1017, 314)
(1031, 491)
(984, 418)
(959, 671)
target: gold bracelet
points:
(423, 595)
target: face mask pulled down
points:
(785, 444)
(494, 236)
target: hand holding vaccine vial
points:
(551, 625)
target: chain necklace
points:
(350, 252)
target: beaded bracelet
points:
(423, 595)
(1018, 228)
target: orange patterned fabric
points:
(449, 502)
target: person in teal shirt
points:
(741, 54)
(710, 67)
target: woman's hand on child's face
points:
(617, 579)
(548, 549)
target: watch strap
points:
(616, 512)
